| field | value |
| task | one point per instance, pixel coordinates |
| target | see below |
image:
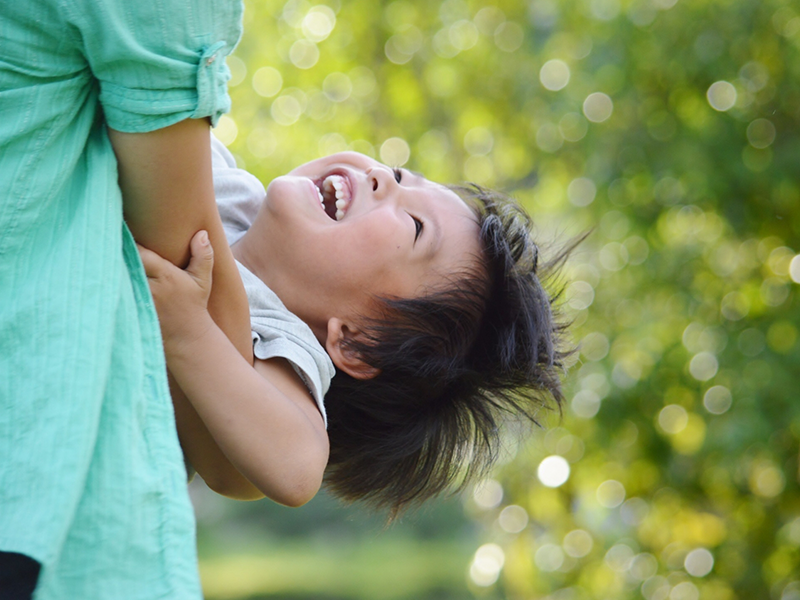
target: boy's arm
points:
(202, 452)
(263, 418)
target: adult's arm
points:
(168, 196)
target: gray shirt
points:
(276, 331)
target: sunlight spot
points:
(578, 543)
(549, 557)
(673, 419)
(513, 519)
(598, 107)
(554, 75)
(721, 96)
(553, 471)
(487, 564)
(699, 562)
(395, 152)
(610, 493)
(488, 493)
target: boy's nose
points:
(382, 180)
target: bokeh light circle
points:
(721, 95)
(478, 141)
(549, 557)
(573, 127)
(578, 543)
(554, 75)
(598, 107)
(267, 82)
(618, 558)
(226, 130)
(487, 564)
(585, 404)
(581, 191)
(261, 142)
(488, 493)
(673, 418)
(508, 36)
(794, 269)
(761, 133)
(337, 87)
(318, 23)
(395, 152)
(513, 519)
(685, 590)
(548, 137)
(304, 54)
(610, 493)
(703, 366)
(643, 566)
(717, 399)
(766, 479)
(580, 295)
(699, 562)
(286, 110)
(553, 471)
(463, 34)
(595, 346)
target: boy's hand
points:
(181, 296)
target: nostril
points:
(374, 184)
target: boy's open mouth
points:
(335, 193)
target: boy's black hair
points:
(452, 365)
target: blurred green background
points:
(671, 128)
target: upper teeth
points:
(341, 190)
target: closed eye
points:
(418, 225)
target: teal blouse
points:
(92, 484)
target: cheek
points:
(378, 257)
(382, 238)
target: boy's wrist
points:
(183, 341)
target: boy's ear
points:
(345, 358)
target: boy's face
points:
(392, 233)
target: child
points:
(425, 298)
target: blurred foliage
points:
(671, 128)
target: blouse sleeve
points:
(158, 62)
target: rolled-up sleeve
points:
(151, 72)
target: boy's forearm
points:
(265, 435)
(203, 453)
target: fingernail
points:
(204, 238)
